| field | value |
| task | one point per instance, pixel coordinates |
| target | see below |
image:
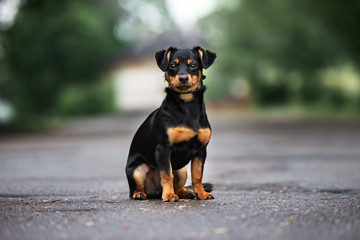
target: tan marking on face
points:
(189, 61)
(187, 97)
(194, 81)
(176, 61)
(173, 81)
(168, 55)
(180, 134)
(203, 134)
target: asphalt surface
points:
(274, 179)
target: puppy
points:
(174, 134)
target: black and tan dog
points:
(174, 134)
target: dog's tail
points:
(208, 187)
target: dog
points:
(174, 134)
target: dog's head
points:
(183, 67)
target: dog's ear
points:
(163, 56)
(207, 57)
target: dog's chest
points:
(184, 134)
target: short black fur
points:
(151, 145)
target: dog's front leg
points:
(197, 167)
(167, 178)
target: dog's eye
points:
(172, 66)
(193, 66)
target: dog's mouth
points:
(183, 87)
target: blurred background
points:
(72, 58)
(78, 77)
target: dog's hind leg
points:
(139, 177)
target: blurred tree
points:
(280, 46)
(341, 20)
(53, 45)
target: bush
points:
(87, 99)
(56, 50)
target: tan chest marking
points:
(203, 135)
(180, 134)
(183, 134)
(187, 97)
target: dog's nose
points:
(183, 79)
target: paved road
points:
(274, 179)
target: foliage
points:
(53, 45)
(87, 99)
(282, 47)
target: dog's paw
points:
(139, 196)
(186, 194)
(203, 196)
(170, 197)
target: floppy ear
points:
(207, 57)
(163, 56)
